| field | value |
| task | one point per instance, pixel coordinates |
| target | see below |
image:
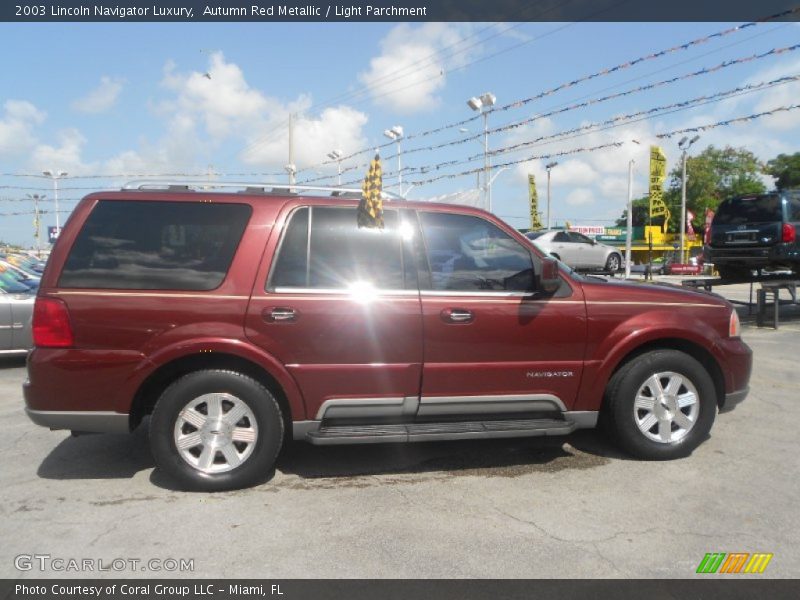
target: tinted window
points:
(579, 238)
(291, 266)
(759, 209)
(793, 198)
(467, 253)
(341, 254)
(532, 235)
(561, 237)
(155, 246)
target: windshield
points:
(532, 235)
(752, 209)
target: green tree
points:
(712, 176)
(785, 169)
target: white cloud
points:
(580, 197)
(17, 127)
(66, 155)
(410, 70)
(101, 98)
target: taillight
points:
(788, 233)
(734, 326)
(51, 328)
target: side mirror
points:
(550, 281)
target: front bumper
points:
(80, 420)
(734, 398)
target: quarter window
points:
(467, 253)
(145, 245)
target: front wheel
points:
(661, 405)
(216, 430)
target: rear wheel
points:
(613, 263)
(661, 405)
(216, 430)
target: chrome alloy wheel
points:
(666, 407)
(613, 263)
(215, 433)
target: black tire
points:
(729, 272)
(262, 405)
(620, 417)
(613, 262)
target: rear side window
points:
(140, 245)
(793, 198)
(467, 253)
(337, 254)
(758, 209)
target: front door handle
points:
(457, 315)
(278, 315)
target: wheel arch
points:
(151, 388)
(693, 349)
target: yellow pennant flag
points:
(370, 209)
(658, 173)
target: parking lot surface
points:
(556, 507)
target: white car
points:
(578, 251)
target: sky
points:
(111, 102)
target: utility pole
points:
(629, 229)
(684, 144)
(549, 166)
(291, 169)
(36, 222)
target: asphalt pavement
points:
(571, 507)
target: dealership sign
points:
(52, 234)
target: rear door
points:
(493, 345)
(341, 310)
(6, 322)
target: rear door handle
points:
(278, 314)
(457, 315)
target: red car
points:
(236, 320)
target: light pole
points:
(479, 103)
(55, 176)
(337, 156)
(36, 221)
(549, 166)
(396, 134)
(629, 223)
(684, 145)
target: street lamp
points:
(479, 103)
(337, 156)
(549, 166)
(55, 176)
(684, 145)
(396, 134)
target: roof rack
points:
(247, 187)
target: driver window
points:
(467, 253)
(561, 237)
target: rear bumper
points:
(754, 256)
(87, 421)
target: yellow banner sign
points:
(658, 173)
(533, 199)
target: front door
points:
(493, 345)
(341, 311)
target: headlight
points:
(734, 327)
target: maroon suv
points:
(237, 319)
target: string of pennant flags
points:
(601, 73)
(617, 144)
(607, 124)
(517, 124)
